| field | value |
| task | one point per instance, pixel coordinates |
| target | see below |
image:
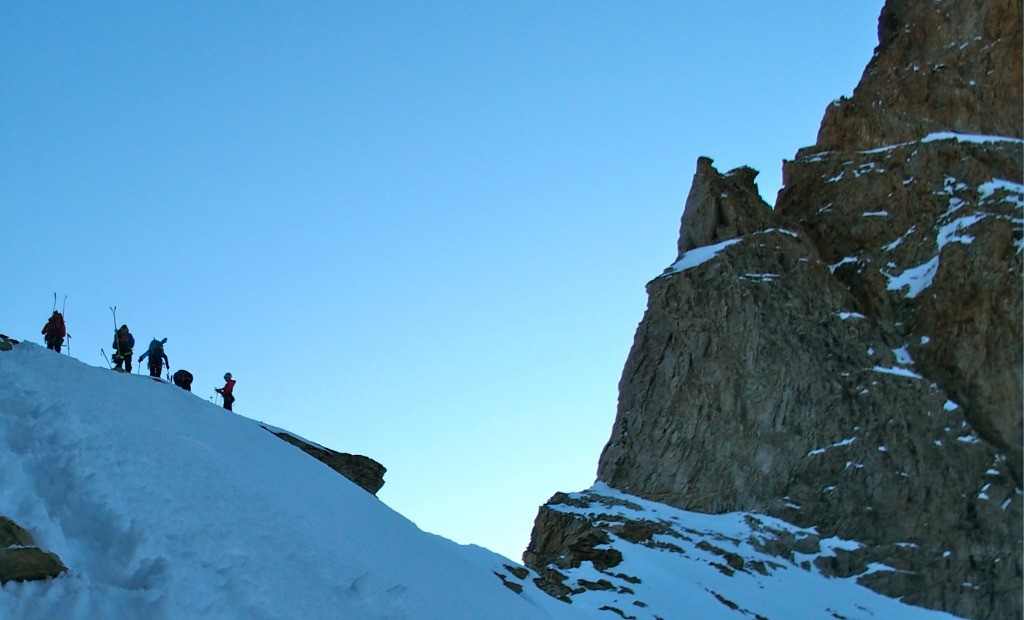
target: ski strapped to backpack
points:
(156, 355)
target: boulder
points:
(21, 559)
(362, 470)
(7, 344)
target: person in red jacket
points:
(226, 391)
(54, 332)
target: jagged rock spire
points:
(721, 207)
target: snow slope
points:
(163, 505)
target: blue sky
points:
(416, 231)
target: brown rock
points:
(21, 559)
(29, 564)
(939, 66)
(721, 207)
(930, 206)
(13, 535)
(362, 470)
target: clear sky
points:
(418, 231)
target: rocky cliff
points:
(851, 360)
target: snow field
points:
(163, 505)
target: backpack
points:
(125, 343)
(183, 378)
(56, 326)
(156, 349)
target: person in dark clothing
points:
(54, 332)
(157, 357)
(227, 391)
(124, 342)
(183, 379)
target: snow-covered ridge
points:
(165, 506)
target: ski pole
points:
(64, 313)
(54, 302)
(106, 359)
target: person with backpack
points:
(124, 342)
(183, 379)
(157, 357)
(227, 391)
(54, 332)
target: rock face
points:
(852, 361)
(362, 470)
(21, 559)
(927, 236)
(939, 66)
(759, 382)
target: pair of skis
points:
(63, 308)
(113, 311)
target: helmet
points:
(227, 375)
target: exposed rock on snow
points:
(21, 559)
(610, 551)
(364, 471)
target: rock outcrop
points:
(939, 66)
(852, 361)
(721, 207)
(599, 549)
(21, 559)
(362, 470)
